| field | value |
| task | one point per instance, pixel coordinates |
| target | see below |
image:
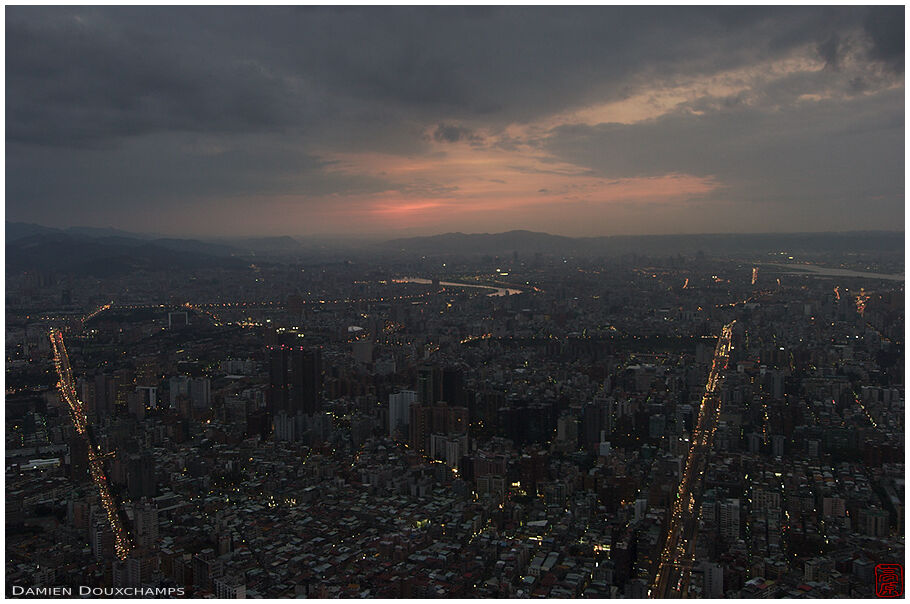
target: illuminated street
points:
(456, 302)
(672, 578)
(80, 421)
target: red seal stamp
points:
(889, 580)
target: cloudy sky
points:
(577, 121)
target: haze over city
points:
(525, 302)
(402, 121)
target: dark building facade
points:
(429, 383)
(295, 380)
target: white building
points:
(714, 581)
(729, 519)
(231, 588)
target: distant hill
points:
(107, 232)
(32, 246)
(715, 244)
(19, 230)
(486, 243)
(221, 246)
(102, 257)
(265, 245)
(194, 246)
(109, 251)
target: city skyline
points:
(455, 302)
(714, 423)
(367, 121)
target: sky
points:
(584, 121)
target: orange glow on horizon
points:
(497, 177)
(459, 179)
(405, 208)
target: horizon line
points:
(387, 237)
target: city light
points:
(80, 422)
(677, 555)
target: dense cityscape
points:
(501, 425)
(478, 301)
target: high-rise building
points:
(728, 516)
(448, 448)
(597, 416)
(777, 444)
(145, 522)
(306, 380)
(206, 568)
(426, 420)
(833, 506)
(400, 412)
(714, 581)
(766, 498)
(419, 426)
(817, 569)
(490, 464)
(295, 380)
(141, 476)
(567, 432)
(178, 386)
(230, 588)
(656, 426)
(201, 393)
(429, 383)
(105, 394)
(874, 522)
(135, 570)
(87, 394)
(453, 386)
(102, 540)
(197, 391)
(529, 422)
(532, 469)
(277, 394)
(149, 396)
(78, 450)
(362, 351)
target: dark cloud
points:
(446, 133)
(170, 171)
(83, 79)
(131, 106)
(812, 156)
(832, 51)
(77, 75)
(885, 27)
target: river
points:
(802, 269)
(497, 291)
